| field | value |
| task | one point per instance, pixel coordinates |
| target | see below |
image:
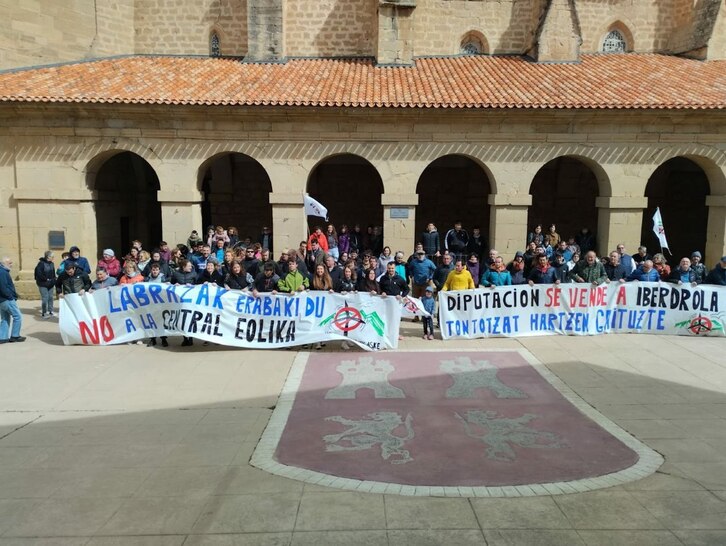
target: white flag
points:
(659, 230)
(314, 208)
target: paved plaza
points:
(130, 445)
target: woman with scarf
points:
(497, 274)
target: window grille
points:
(614, 42)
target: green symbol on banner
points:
(374, 320)
(700, 324)
(347, 319)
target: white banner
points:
(228, 317)
(581, 309)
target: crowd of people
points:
(343, 260)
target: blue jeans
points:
(8, 309)
(46, 298)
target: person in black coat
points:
(393, 284)
(45, 280)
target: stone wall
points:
(509, 26)
(183, 27)
(330, 28)
(48, 31)
(56, 146)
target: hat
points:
(696, 253)
(429, 289)
(69, 263)
(212, 260)
(519, 254)
(109, 252)
(74, 249)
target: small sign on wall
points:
(56, 240)
(399, 212)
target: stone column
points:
(395, 32)
(399, 221)
(716, 232)
(619, 221)
(289, 223)
(181, 212)
(508, 223)
(70, 211)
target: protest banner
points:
(228, 317)
(413, 307)
(581, 309)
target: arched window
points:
(614, 42)
(472, 47)
(214, 49)
(472, 44)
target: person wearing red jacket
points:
(320, 237)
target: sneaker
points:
(417, 319)
(186, 342)
(152, 342)
(51, 314)
(18, 339)
(425, 336)
(431, 336)
(164, 342)
(42, 315)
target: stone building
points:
(124, 119)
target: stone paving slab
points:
(129, 445)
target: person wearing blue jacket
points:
(428, 304)
(9, 305)
(497, 274)
(645, 272)
(81, 262)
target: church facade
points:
(149, 118)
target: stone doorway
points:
(236, 193)
(679, 187)
(350, 188)
(564, 192)
(453, 188)
(126, 204)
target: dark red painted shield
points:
(471, 419)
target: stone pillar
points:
(716, 232)
(399, 221)
(181, 212)
(395, 32)
(289, 223)
(265, 32)
(70, 211)
(619, 221)
(508, 223)
(558, 35)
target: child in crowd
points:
(428, 322)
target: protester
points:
(9, 311)
(45, 278)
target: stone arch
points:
(124, 187)
(236, 191)
(350, 187)
(564, 192)
(454, 187)
(476, 38)
(624, 30)
(679, 186)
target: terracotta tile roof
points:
(599, 81)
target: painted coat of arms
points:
(436, 419)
